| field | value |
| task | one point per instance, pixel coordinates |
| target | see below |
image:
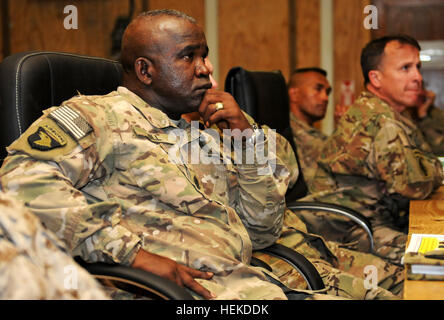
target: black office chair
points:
(33, 81)
(263, 95)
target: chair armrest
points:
(299, 262)
(255, 262)
(141, 280)
(353, 215)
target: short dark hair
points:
(310, 69)
(168, 12)
(304, 70)
(372, 53)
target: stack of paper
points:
(424, 258)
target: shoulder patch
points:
(71, 121)
(45, 138)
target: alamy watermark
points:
(207, 147)
(71, 21)
(371, 21)
(71, 281)
(370, 277)
(72, 18)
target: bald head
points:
(163, 56)
(138, 38)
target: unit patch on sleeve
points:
(46, 138)
(71, 121)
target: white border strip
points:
(327, 59)
(212, 35)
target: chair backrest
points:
(263, 95)
(33, 81)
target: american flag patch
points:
(71, 122)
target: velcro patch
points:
(46, 138)
(71, 121)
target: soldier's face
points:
(180, 77)
(400, 77)
(313, 93)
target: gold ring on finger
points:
(219, 106)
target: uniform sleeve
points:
(33, 262)
(259, 192)
(48, 180)
(405, 168)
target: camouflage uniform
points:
(33, 262)
(117, 182)
(309, 143)
(375, 162)
(346, 273)
(432, 127)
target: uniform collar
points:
(403, 117)
(155, 117)
(299, 122)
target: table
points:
(426, 216)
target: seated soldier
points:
(34, 264)
(112, 174)
(377, 159)
(308, 91)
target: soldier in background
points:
(34, 264)
(377, 159)
(308, 91)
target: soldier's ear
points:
(375, 78)
(293, 94)
(143, 69)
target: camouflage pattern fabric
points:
(342, 270)
(309, 143)
(345, 272)
(432, 127)
(106, 174)
(34, 263)
(375, 162)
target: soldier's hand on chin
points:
(171, 270)
(228, 117)
(426, 100)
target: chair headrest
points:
(264, 96)
(261, 94)
(33, 81)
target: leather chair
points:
(263, 95)
(33, 81)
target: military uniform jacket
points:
(377, 158)
(106, 173)
(309, 143)
(34, 264)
